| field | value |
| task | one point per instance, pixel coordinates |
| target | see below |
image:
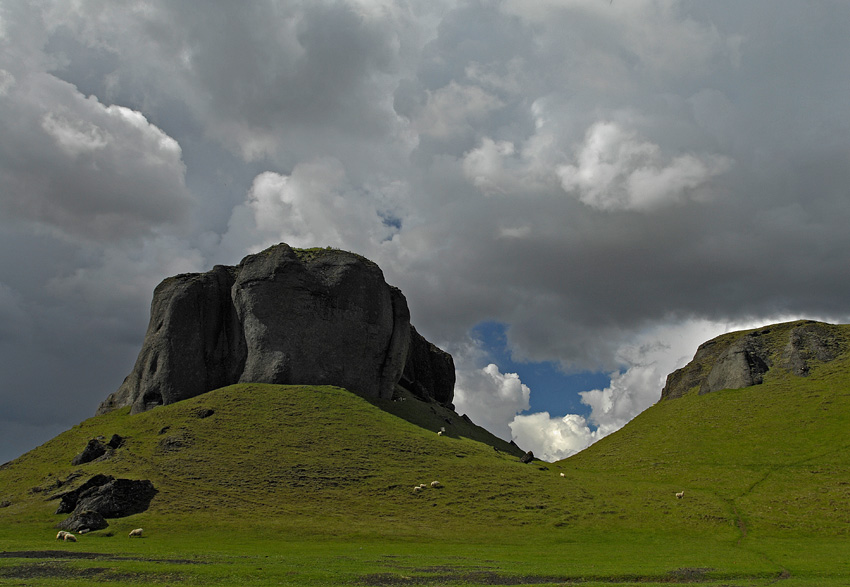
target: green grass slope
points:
(772, 461)
(304, 485)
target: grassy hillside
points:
(778, 453)
(313, 486)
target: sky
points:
(572, 194)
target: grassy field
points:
(289, 485)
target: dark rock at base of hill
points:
(108, 496)
(118, 498)
(742, 359)
(284, 316)
(93, 450)
(527, 457)
(82, 522)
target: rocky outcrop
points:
(742, 359)
(288, 316)
(118, 498)
(108, 496)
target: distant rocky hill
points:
(742, 359)
(284, 316)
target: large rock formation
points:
(283, 315)
(742, 359)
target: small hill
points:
(773, 456)
(317, 456)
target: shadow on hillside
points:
(438, 418)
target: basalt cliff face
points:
(742, 359)
(286, 316)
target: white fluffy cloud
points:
(552, 439)
(491, 398)
(617, 170)
(315, 205)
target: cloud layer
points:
(599, 176)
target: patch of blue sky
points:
(390, 220)
(552, 390)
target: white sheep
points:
(61, 535)
(68, 537)
(436, 484)
(417, 489)
(136, 532)
(562, 475)
(680, 495)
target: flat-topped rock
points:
(286, 316)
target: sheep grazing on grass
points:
(61, 535)
(562, 475)
(436, 484)
(680, 495)
(68, 537)
(136, 532)
(417, 489)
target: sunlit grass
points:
(296, 485)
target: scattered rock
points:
(84, 521)
(94, 450)
(527, 457)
